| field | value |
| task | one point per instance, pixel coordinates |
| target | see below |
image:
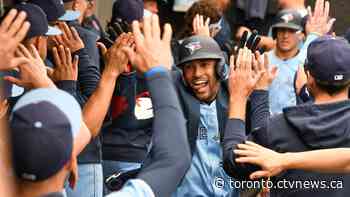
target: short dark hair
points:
(332, 88)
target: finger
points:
(68, 56)
(14, 80)
(62, 55)
(6, 23)
(247, 147)
(250, 143)
(155, 27)
(259, 174)
(56, 57)
(167, 34)
(255, 64)
(309, 11)
(49, 71)
(138, 35)
(102, 48)
(207, 22)
(251, 160)
(245, 153)
(147, 29)
(246, 58)
(266, 61)
(15, 62)
(67, 31)
(19, 53)
(194, 24)
(25, 51)
(232, 61)
(35, 52)
(322, 7)
(130, 53)
(21, 34)
(274, 72)
(258, 59)
(197, 21)
(250, 57)
(60, 39)
(326, 10)
(17, 23)
(330, 24)
(239, 58)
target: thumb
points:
(274, 72)
(14, 80)
(102, 47)
(49, 71)
(15, 62)
(130, 53)
(330, 24)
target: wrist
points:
(287, 160)
(109, 72)
(155, 71)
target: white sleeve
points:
(134, 188)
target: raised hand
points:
(244, 76)
(152, 50)
(200, 27)
(269, 74)
(32, 69)
(70, 38)
(270, 161)
(65, 67)
(13, 30)
(115, 58)
(319, 21)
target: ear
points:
(73, 167)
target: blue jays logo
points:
(193, 46)
(287, 18)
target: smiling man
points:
(203, 93)
(289, 54)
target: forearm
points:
(237, 107)
(170, 153)
(338, 160)
(82, 139)
(259, 108)
(96, 107)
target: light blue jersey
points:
(282, 91)
(206, 177)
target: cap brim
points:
(288, 26)
(53, 31)
(70, 15)
(64, 101)
(199, 56)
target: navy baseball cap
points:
(54, 9)
(290, 19)
(43, 125)
(128, 10)
(39, 25)
(328, 60)
(199, 47)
